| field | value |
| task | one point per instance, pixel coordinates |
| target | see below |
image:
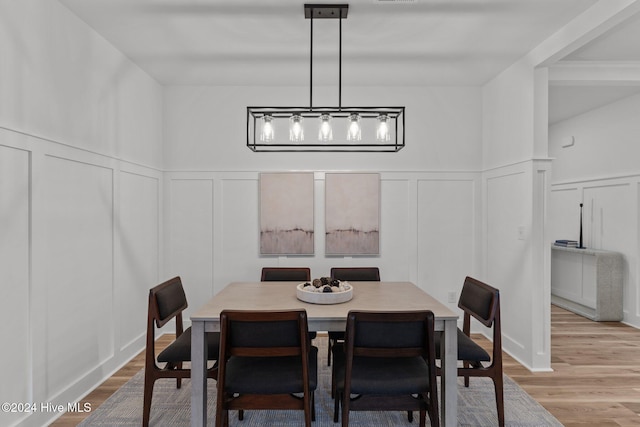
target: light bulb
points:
(296, 131)
(325, 133)
(355, 132)
(382, 134)
(267, 129)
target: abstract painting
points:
(286, 213)
(352, 213)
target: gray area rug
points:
(171, 406)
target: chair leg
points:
(423, 418)
(149, 381)
(498, 386)
(308, 415)
(336, 407)
(466, 377)
(329, 352)
(434, 418)
(333, 384)
(410, 416)
(345, 409)
(313, 406)
(241, 414)
(222, 413)
(179, 380)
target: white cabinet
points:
(587, 282)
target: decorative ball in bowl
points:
(324, 291)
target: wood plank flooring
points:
(595, 379)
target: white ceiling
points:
(385, 42)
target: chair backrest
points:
(277, 274)
(355, 274)
(482, 302)
(263, 333)
(166, 301)
(390, 334)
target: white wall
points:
(429, 231)
(429, 202)
(601, 170)
(80, 206)
(205, 129)
(515, 185)
(89, 219)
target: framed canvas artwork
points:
(286, 214)
(352, 214)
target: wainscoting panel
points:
(240, 234)
(14, 265)
(508, 224)
(78, 248)
(446, 235)
(190, 237)
(138, 251)
(397, 239)
(608, 212)
(611, 224)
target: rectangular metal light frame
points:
(311, 143)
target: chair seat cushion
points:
(467, 349)
(180, 349)
(382, 375)
(270, 375)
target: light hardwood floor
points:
(595, 379)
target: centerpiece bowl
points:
(307, 292)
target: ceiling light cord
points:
(340, 65)
(311, 66)
(358, 129)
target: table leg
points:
(449, 380)
(198, 375)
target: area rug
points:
(171, 406)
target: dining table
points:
(373, 296)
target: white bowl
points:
(324, 297)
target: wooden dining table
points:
(375, 296)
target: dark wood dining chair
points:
(356, 274)
(482, 302)
(167, 301)
(388, 363)
(265, 358)
(285, 274)
(349, 274)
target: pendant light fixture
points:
(267, 129)
(355, 132)
(359, 129)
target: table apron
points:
(314, 325)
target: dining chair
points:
(482, 302)
(167, 301)
(265, 357)
(285, 274)
(387, 363)
(356, 274)
(349, 274)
